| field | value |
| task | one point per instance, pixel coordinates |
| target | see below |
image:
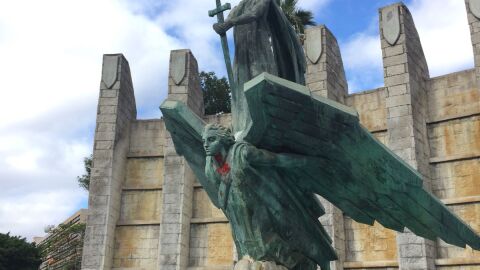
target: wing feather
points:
(356, 172)
(186, 129)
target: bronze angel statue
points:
(264, 175)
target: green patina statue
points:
(265, 41)
(299, 145)
(290, 145)
(246, 188)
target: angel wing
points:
(186, 129)
(359, 175)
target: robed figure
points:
(264, 42)
(290, 145)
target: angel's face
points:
(212, 143)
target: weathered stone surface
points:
(391, 23)
(369, 243)
(371, 108)
(136, 247)
(203, 207)
(326, 75)
(457, 179)
(406, 76)
(109, 160)
(109, 70)
(141, 205)
(144, 172)
(453, 95)
(147, 138)
(456, 137)
(178, 178)
(475, 7)
(313, 44)
(178, 66)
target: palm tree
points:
(299, 18)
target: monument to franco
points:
(178, 192)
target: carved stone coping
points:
(461, 200)
(438, 262)
(372, 264)
(467, 156)
(378, 130)
(457, 261)
(144, 188)
(452, 117)
(138, 222)
(144, 154)
(209, 220)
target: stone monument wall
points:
(147, 211)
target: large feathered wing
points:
(186, 129)
(355, 172)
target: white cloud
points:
(362, 58)
(444, 33)
(51, 53)
(445, 37)
(40, 209)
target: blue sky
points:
(51, 53)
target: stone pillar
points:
(473, 14)
(325, 74)
(406, 74)
(183, 85)
(326, 77)
(116, 109)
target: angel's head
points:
(217, 139)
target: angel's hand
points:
(222, 28)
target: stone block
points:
(396, 80)
(395, 101)
(396, 70)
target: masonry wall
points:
(137, 230)
(147, 211)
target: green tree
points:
(299, 18)
(84, 180)
(216, 93)
(16, 253)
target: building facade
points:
(62, 246)
(147, 211)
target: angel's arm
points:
(261, 157)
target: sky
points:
(50, 66)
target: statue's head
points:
(217, 139)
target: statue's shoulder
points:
(242, 149)
(242, 145)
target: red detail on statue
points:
(224, 168)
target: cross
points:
(219, 12)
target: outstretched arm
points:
(262, 157)
(247, 16)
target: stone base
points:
(247, 263)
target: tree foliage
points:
(299, 18)
(62, 249)
(16, 253)
(84, 180)
(216, 93)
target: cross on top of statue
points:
(223, 37)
